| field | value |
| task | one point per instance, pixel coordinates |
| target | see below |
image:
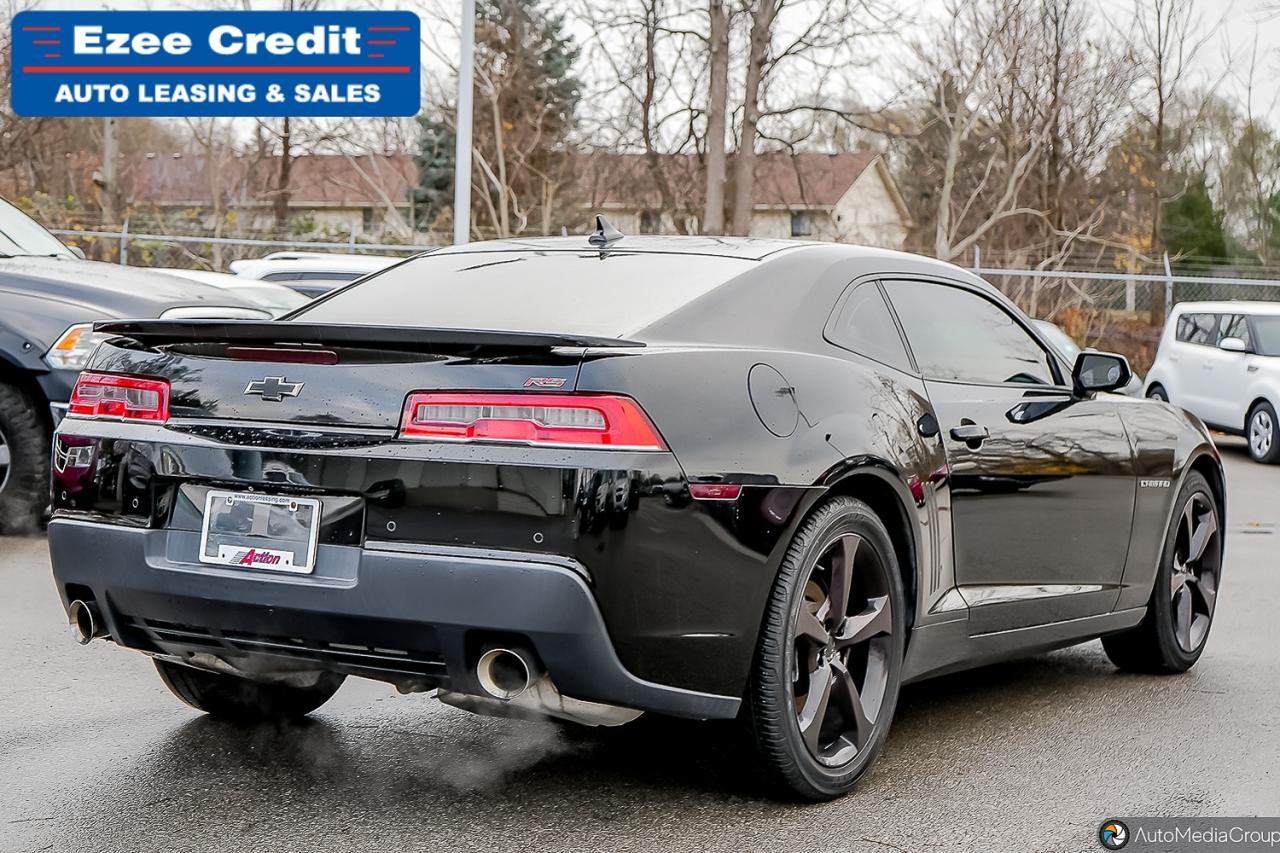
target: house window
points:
(802, 223)
(650, 222)
(366, 220)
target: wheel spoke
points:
(1179, 579)
(1187, 523)
(1199, 629)
(811, 627)
(877, 619)
(841, 578)
(4, 454)
(814, 710)
(1206, 587)
(1200, 537)
(849, 700)
(1182, 618)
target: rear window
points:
(1198, 329)
(557, 292)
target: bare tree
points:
(1165, 37)
(760, 37)
(717, 116)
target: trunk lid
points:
(331, 375)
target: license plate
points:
(253, 531)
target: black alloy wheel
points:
(1172, 635)
(829, 666)
(1197, 562)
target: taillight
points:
(104, 395)
(563, 420)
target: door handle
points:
(971, 434)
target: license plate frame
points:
(258, 549)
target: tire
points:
(228, 697)
(837, 750)
(1262, 430)
(25, 446)
(1157, 392)
(1160, 644)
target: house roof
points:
(783, 179)
(315, 180)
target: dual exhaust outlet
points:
(514, 684)
(86, 622)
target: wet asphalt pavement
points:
(96, 755)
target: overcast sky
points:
(1224, 62)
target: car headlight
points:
(214, 312)
(72, 350)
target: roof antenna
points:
(564, 230)
(605, 233)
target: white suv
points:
(1221, 362)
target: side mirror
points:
(1100, 371)
(77, 251)
(1232, 345)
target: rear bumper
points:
(397, 614)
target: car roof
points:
(656, 289)
(747, 248)
(1233, 307)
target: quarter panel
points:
(850, 413)
(1166, 440)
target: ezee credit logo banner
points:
(216, 64)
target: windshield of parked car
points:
(606, 294)
(1267, 341)
(1059, 338)
(22, 235)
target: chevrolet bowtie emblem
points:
(273, 388)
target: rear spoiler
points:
(159, 332)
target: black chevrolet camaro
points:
(591, 478)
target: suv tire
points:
(229, 697)
(24, 462)
(1262, 430)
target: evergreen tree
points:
(435, 159)
(1192, 226)
(526, 97)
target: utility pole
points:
(110, 172)
(462, 152)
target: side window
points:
(866, 326)
(1198, 329)
(1235, 326)
(960, 336)
(282, 276)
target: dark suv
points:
(49, 298)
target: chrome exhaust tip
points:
(86, 624)
(504, 673)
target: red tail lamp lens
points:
(714, 491)
(104, 395)
(577, 420)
